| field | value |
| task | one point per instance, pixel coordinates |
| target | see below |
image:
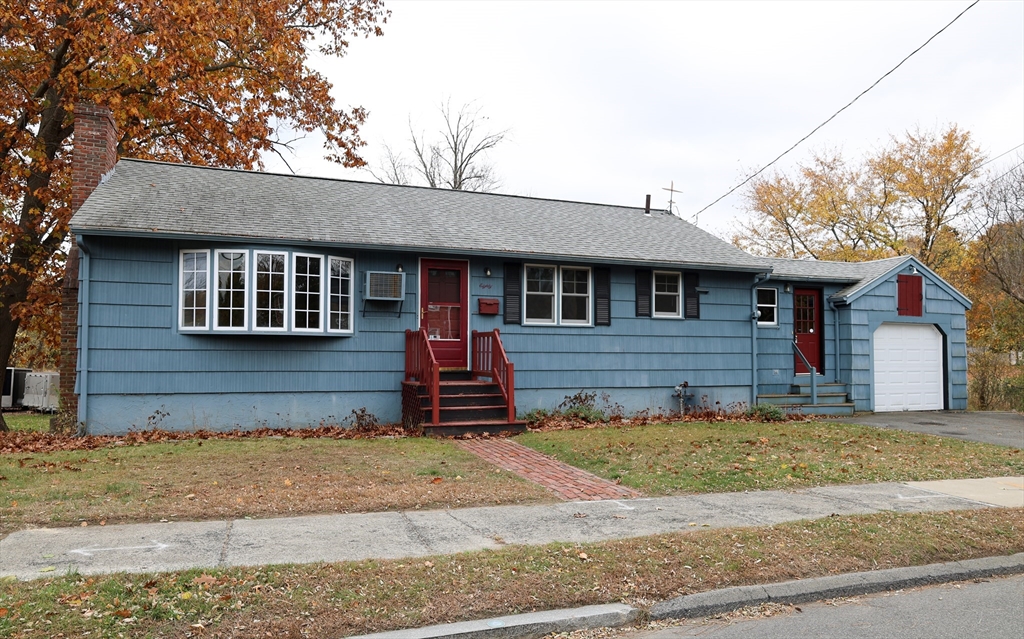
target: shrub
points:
(766, 413)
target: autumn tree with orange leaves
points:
(215, 82)
(914, 196)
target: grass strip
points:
(353, 597)
(696, 457)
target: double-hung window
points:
(767, 306)
(668, 294)
(195, 269)
(270, 290)
(308, 292)
(575, 301)
(540, 294)
(231, 303)
(340, 296)
(558, 295)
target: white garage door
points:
(908, 367)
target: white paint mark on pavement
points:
(88, 552)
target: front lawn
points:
(247, 477)
(694, 457)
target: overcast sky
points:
(608, 101)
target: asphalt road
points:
(1004, 429)
(993, 609)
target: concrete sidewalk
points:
(32, 554)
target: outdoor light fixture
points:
(400, 269)
(913, 270)
(487, 271)
(788, 288)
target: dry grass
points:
(218, 479)
(348, 598)
(688, 457)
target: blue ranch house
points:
(213, 298)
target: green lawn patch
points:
(692, 457)
(37, 422)
(336, 600)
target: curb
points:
(525, 626)
(859, 583)
(537, 624)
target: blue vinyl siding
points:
(143, 368)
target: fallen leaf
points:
(428, 564)
(3, 612)
(48, 569)
(754, 459)
(205, 579)
(124, 614)
(436, 480)
(287, 482)
(190, 496)
(185, 595)
(583, 556)
(579, 515)
(84, 524)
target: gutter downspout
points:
(835, 317)
(83, 337)
(759, 278)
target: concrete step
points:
(791, 399)
(804, 388)
(474, 427)
(845, 410)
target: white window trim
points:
(590, 296)
(351, 296)
(554, 297)
(679, 295)
(287, 297)
(556, 304)
(291, 290)
(775, 306)
(181, 290)
(215, 286)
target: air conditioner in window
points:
(385, 286)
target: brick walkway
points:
(568, 482)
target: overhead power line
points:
(833, 116)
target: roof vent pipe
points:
(647, 207)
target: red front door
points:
(444, 310)
(807, 321)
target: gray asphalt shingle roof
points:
(857, 274)
(163, 199)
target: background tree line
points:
(930, 194)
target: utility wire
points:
(991, 160)
(848, 105)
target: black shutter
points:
(643, 293)
(602, 297)
(690, 284)
(513, 293)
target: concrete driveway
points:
(1004, 429)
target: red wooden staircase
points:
(459, 402)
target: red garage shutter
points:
(908, 295)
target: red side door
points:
(444, 310)
(807, 321)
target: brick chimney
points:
(93, 155)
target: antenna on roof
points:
(671, 196)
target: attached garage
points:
(908, 367)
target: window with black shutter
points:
(513, 293)
(643, 293)
(602, 297)
(691, 296)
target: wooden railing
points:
(490, 360)
(421, 365)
